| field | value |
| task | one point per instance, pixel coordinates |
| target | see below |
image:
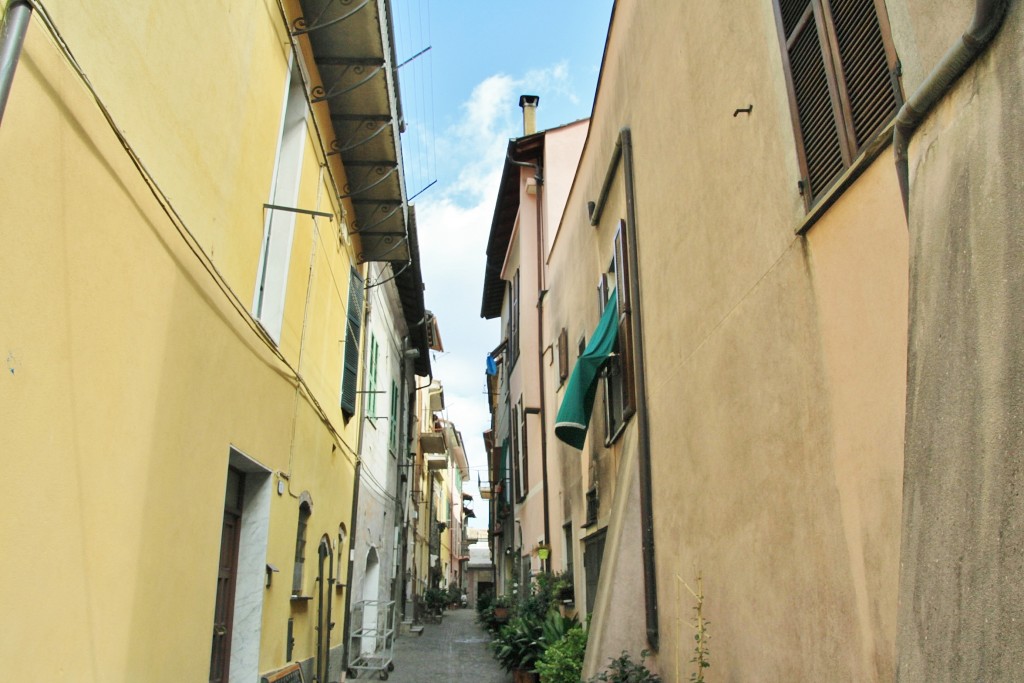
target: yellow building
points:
(190, 195)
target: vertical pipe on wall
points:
(12, 37)
(643, 429)
(988, 17)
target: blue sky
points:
(460, 101)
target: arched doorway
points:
(371, 588)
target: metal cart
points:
(372, 638)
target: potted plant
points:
(624, 670)
(502, 606)
(518, 646)
(435, 599)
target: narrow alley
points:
(453, 651)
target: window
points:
(593, 558)
(619, 378)
(371, 400)
(842, 76)
(353, 327)
(393, 420)
(516, 460)
(521, 451)
(279, 226)
(300, 548)
(563, 356)
(514, 318)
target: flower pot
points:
(522, 676)
(501, 613)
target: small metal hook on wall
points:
(748, 109)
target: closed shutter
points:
(353, 328)
(563, 355)
(866, 66)
(840, 69)
(625, 342)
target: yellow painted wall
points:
(131, 367)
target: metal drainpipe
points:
(988, 17)
(643, 429)
(12, 37)
(318, 675)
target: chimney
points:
(529, 105)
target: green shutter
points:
(353, 328)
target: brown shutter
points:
(813, 96)
(625, 301)
(841, 73)
(871, 94)
(514, 341)
(563, 355)
(523, 449)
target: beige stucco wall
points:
(130, 370)
(960, 609)
(775, 362)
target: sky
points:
(460, 100)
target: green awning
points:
(578, 402)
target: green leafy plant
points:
(435, 599)
(518, 643)
(623, 669)
(562, 661)
(701, 653)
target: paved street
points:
(454, 651)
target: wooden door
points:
(220, 654)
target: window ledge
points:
(870, 152)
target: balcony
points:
(437, 461)
(433, 441)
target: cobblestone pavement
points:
(454, 651)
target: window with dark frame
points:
(514, 454)
(843, 80)
(563, 356)
(619, 378)
(524, 463)
(393, 420)
(514, 319)
(300, 548)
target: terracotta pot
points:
(521, 676)
(501, 612)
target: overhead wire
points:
(189, 239)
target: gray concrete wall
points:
(961, 595)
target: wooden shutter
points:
(867, 63)
(514, 455)
(523, 450)
(839, 64)
(625, 341)
(563, 355)
(353, 328)
(514, 341)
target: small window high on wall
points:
(842, 75)
(279, 226)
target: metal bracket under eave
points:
(319, 94)
(338, 147)
(385, 172)
(301, 26)
(356, 228)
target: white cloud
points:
(454, 222)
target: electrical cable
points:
(188, 238)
